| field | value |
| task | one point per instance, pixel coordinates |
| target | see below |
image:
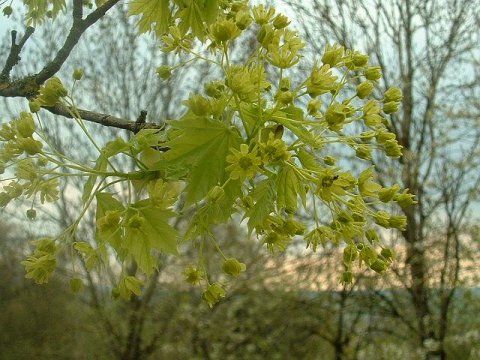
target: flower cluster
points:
(24, 154)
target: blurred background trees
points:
(282, 308)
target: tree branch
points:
(102, 119)
(14, 55)
(78, 28)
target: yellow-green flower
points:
(373, 73)
(274, 241)
(330, 184)
(233, 267)
(214, 293)
(244, 164)
(262, 14)
(319, 235)
(333, 55)
(193, 275)
(274, 150)
(320, 81)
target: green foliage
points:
(248, 145)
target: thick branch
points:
(14, 55)
(102, 119)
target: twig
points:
(102, 119)
(78, 28)
(15, 49)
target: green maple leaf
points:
(153, 14)
(106, 202)
(196, 14)
(203, 145)
(288, 188)
(155, 233)
(263, 197)
(291, 117)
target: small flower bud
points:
(78, 74)
(31, 214)
(233, 267)
(363, 152)
(265, 35)
(392, 148)
(350, 253)
(242, 20)
(383, 136)
(7, 11)
(347, 277)
(373, 73)
(378, 266)
(280, 21)
(51, 92)
(164, 72)
(214, 293)
(382, 219)
(285, 84)
(136, 222)
(405, 199)
(368, 255)
(367, 135)
(329, 160)
(388, 254)
(7, 133)
(398, 222)
(215, 89)
(215, 194)
(391, 107)
(364, 89)
(359, 59)
(371, 115)
(199, 105)
(333, 55)
(314, 106)
(387, 194)
(34, 106)
(262, 15)
(25, 125)
(224, 30)
(284, 97)
(393, 94)
(29, 145)
(371, 236)
(193, 275)
(335, 116)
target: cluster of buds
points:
(245, 81)
(42, 263)
(391, 100)
(51, 92)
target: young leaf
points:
(101, 165)
(153, 232)
(263, 197)
(153, 13)
(196, 14)
(288, 188)
(202, 145)
(285, 117)
(111, 234)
